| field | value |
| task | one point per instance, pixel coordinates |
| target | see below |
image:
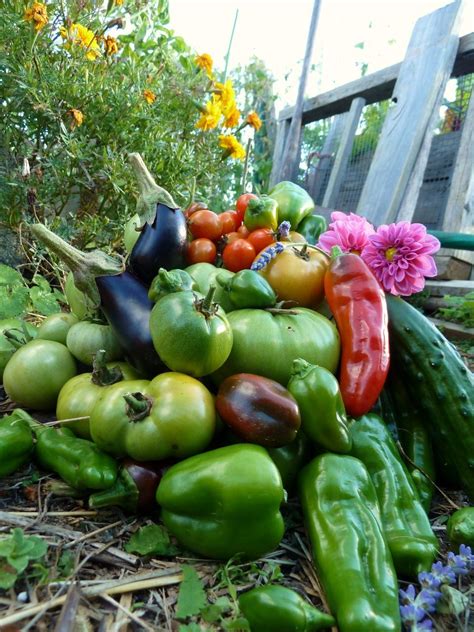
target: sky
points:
(276, 32)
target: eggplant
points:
(163, 231)
(120, 296)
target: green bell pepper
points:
(261, 212)
(169, 281)
(410, 538)
(290, 458)
(460, 527)
(280, 609)
(349, 549)
(16, 441)
(224, 502)
(323, 415)
(311, 228)
(247, 289)
(79, 462)
(294, 203)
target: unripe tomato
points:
(238, 255)
(242, 203)
(261, 238)
(201, 250)
(205, 224)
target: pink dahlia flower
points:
(349, 232)
(399, 255)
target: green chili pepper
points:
(311, 227)
(405, 523)
(323, 416)
(280, 609)
(294, 203)
(247, 289)
(16, 441)
(261, 212)
(224, 502)
(290, 458)
(349, 549)
(460, 527)
(78, 462)
(169, 281)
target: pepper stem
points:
(138, 406)
(84, 266)
(150, 194)
(336, 252)
(124, 493)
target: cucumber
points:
(437, 378)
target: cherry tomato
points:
(261, 238)
(201, 250)
(243, 231)
(241, 204)
(229, 221)
(231, 237)
(195, 206)
(238, 255)
(205, 223)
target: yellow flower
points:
(37, 14)
(118, 2)
(111, 45)
(210, 115)
(231, 147)
(205, 62)
(254, 120)
(226, 95)
(149, 96)
(232, 117)
(77, 118)
(83, 37)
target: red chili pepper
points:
(358, 304)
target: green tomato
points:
(80, 305)
(171, 416)
(79, 395)
(190, 334)
(205, 275)
(56, 327)
(36, 373)
(7, 349)
(130, 234)
(85, 338)
(266, 342)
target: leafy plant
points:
(18, 297)
(16, 552)
(151, 539)
(460, 309)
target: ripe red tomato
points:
(205, 223)
(243, 231)
(195, 206)
(229, 221)
(231, 237)
(241, 204)
(238, 255)
(261, 238)
(201, 250)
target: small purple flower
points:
(445, 574)
(426, 624)
(407, 596)
(428, 580)
(411, 614)
(283, 229)
(427, 599)
(457, 564)
(267, 255)
(466, 554)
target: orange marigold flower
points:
(149, 96)
(226, 95)
(231, 147)
(111, 45)
(37, 14)
(254, 120)
(118, 2)
(210, 115)
(77, 118)
(205, 62)
(232, 117)
(83, 37)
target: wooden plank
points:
(376, 86)
(406, 135)
(280, 140)
(321, 173)
(291, 153)
(454, 288)
(343, 153)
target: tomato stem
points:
(138, 406)
(205, 305)
(102, 375)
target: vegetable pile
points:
(228, 362)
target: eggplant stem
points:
(150, 193)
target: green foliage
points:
(18, 297)
(192, 596)
(151, 540)
(460, 309)
(16, 553)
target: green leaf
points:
(453, 601)
(240, 624)
(14, 300)
(44, 302)
(190, 627)
(66, 564)
(41, 282)
(150, 540)
(7, 579)
(213, 612)
(10, 276)
(192, 596)
(18, 562)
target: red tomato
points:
(195, 206)
(238, 255)
(205, 223)
(241, 204)
(261, 238)
(201, 250)
(231, 237)
(229, 221)
(243, 231)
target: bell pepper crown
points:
(261, 212)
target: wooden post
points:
(280, 141)
(397, 168)
(319, 175)
(343, 153)
(289, 163)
